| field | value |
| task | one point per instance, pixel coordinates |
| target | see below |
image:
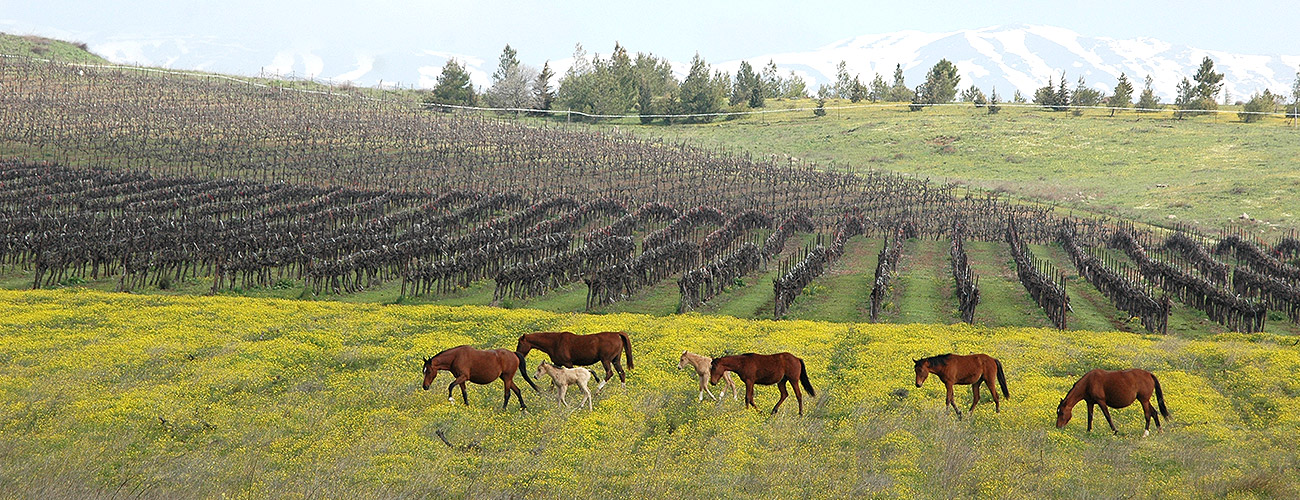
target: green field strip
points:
(843, 292)
(754, 298)
(923, 289)
(1090, 310)
(1003, 300)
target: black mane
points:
(939, 360)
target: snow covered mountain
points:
(1024, 57)
(1005, 57)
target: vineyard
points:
(189, 178)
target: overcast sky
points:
(265, 33)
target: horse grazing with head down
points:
(701, 365)
(568, 350)
(481, 367)
(1114, 389)
(766, 369)
(971, 370)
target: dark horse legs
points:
(781, 386)
(509, 384)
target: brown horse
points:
(1115, 389)
(766, 369)
(568, 350)
(969, 370)
(478, 366)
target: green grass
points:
(1213, 168)
(47, 48)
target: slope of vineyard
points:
(177, 397)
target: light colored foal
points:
(701, 365)
(563, 377)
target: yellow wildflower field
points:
(152, 396)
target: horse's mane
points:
(444, 351)
(939, 360)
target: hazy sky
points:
(673, 28)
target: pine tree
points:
(1123, 97)
(899, 92)
(453, 87)
(941, 83)
(773, 85)
(1148, 102)
(1295, 97)
(1062, 96)
(656, 87)
(511, 83)
(994, 102)
(542, 94)
(748, 87)
(1186, 98)
(857, 91)
(1208, 83)
(879, 90)
(1084, 96)
(699, 93)
(795, 87)
(821, 107)
(843, 82)
(1045, 96)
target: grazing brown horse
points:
(568, 350)
(1115, 389)
(478, 366)
(969, 370)
(766, 369)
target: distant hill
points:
(47, 48)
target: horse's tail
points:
(627, 348)
(523, 370)
(1160, 396)
(1002, 380)
(803, 379)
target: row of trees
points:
(644, 84)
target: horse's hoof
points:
(1146, 433)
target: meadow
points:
(1203, 171)
(106, 395)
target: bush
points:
(1258, 107)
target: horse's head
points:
(429, 372)
(524, 345)
(540, 370)
(682, 362)
(922, 370)
(1063, 414)
(716, 370)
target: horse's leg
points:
(704, 386)
(622, 379)
(974, 396)
(464, 396)
(749, 394)
(451, 387)
(1090, 406)
(950, 401)
(798, 395)
(609, 370)
(1105, 410)
(1150, 413)
(731, 385)
(582, 384)
(781, 386)
(518, 395)
(997, 400)
(506, 385)
(564, 389)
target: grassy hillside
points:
(47, 48)
(1205, 171)
(174, 397)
